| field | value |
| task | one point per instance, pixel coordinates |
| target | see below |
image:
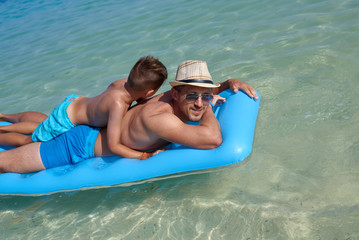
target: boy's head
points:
(147, 74)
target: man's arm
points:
(235, 85)
(206, 135)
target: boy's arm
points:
(235, 85)
(116, 113)
(206, 135)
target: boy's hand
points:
(217, 100)
(146, 155)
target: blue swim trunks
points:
(57, 123)
(75, 145)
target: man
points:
(163, 118)
(146, 126)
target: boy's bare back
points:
(94, 111)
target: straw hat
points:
(194, 73)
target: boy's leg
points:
(14, 139)
(20, 127)
(29, 116)
(22, 160)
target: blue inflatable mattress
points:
(237, 117)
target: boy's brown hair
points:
(147, 73)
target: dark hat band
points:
(195, 81)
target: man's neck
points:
(177, 112)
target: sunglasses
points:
(192, 97)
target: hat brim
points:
(204, 85)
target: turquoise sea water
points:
(301, 180)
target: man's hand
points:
(235, 85)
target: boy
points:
(108, 108)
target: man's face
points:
(193, 101)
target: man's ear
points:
(174, 94)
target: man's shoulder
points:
(154, 112)
(157, 116)
(157, 107)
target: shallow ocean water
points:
(301, 180)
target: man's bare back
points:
(134, 133)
